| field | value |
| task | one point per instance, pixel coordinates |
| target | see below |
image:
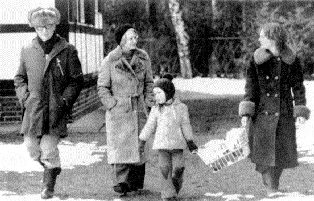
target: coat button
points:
(276, 78)
(276, 95)
(267, 94)
(267, 77)
(277, 114)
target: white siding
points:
(15, 11)
(90, 50)
(10, 48)
(89, 46)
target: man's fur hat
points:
(43, 16)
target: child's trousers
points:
(171, 164)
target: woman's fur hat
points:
(121, 31)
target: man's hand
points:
(141, 147)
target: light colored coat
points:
(125, 90)
(171, 125)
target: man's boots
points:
(49, 181)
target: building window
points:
(89, 8)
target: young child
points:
(169, 120)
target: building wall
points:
(10, 110)
(15, 11)
(13, 18)
(90, 50)
(10, 47)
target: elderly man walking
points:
(48, 81)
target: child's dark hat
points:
(165, 83)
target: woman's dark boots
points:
(269, 181)
(277, 175)
(49, 181)
(136, 177)
(121, 188)
(271, 178)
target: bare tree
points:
(182, 38)
(214, 8)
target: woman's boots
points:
(271, 178)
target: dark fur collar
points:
(262, 55)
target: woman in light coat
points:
(274, 98)
(125, 88)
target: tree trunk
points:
(182, 39)
(147, 7)
(214, 9)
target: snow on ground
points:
(11, 196)
(213, 86)
(294, 196)
(87, 153)
(70, 154)
(305, 132)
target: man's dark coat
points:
(47, 87)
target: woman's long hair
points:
(276, 32)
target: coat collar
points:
(58, 47)
(116, 54)
(175, 101)
(261, 55)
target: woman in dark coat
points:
(274, 98)
(48, 81)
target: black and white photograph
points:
(148, 100)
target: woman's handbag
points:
(221, 153)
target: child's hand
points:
(194, 151)
(192, 146)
